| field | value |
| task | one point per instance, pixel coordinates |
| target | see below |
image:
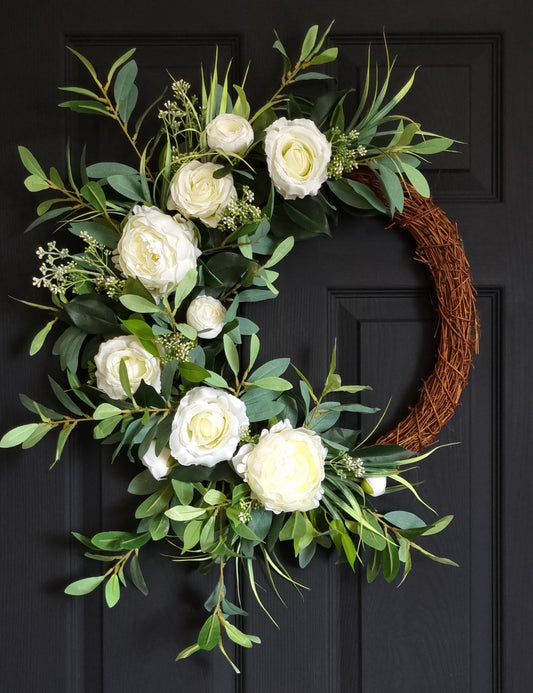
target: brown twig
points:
(439, 246)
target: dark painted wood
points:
(465, 630)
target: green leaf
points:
(93, 193)
(30, 162)
(356, 194)
(392, 188)
(327, 56)
(138, 304)
(210, 633)
(403, 519)
(188, 651)
(184, 491)
(112, 591)
(62, 438)
(187, 331)
(207, 535)
(191, 534)
(91, 314)
(311, 75)
(88, 107)
(118, 62)
(105, 169)
(82, 91)
(232, 355)
(214, 497)
(84, 586)
(35, 184)
(155, 503)
(193, 372)
(216, 380)
(136, 575)
(64, 399)
(159, 527)
(273, 368)
(125, 378)
(106, 427)
(375, 538)
(125, 91)
(373, 566)
(37, 435)
(185, 286)
(100, 232)
(308, 42)
(391, 561)
(144, 484)
(272, 383)
(432, 146)
(254, 350)
(18, 435)
(236, 635)
(417, 179)
(40, 337)
(283, 249)
(88, 65)
(184, 513)
(128, 186)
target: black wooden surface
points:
(446, 630)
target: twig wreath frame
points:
(237, 458)
(440, 248)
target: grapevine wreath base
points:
(439, 246)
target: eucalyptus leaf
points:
(84, 586)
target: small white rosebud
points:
(206, 314)
(378, 484)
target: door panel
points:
(445, 630)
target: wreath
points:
(239, 454)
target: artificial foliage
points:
(241, 452)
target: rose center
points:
(208, 427)
(298, 159)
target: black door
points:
(445, 630)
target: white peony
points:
(140, 365)
(285, 468)
(206, 314)
(159, 465)
(378, 484)
(207, 427)
(297, 157)
(197, 194)
(229, 133)
(157, 249)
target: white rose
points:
(157, 249)
(207, 427)
(140, 365)
(159, 465)
(230, 133)
(206, 314)
(196, 194)
(378, 484)
(297, 157)
(285, 469)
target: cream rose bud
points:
(229, 133)
(159, 465)
(197, 194)
(207, 427)
(285, 469)
(297, 157)
(140, 365)
(157, 249)
(378, 484)
(206, 314)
